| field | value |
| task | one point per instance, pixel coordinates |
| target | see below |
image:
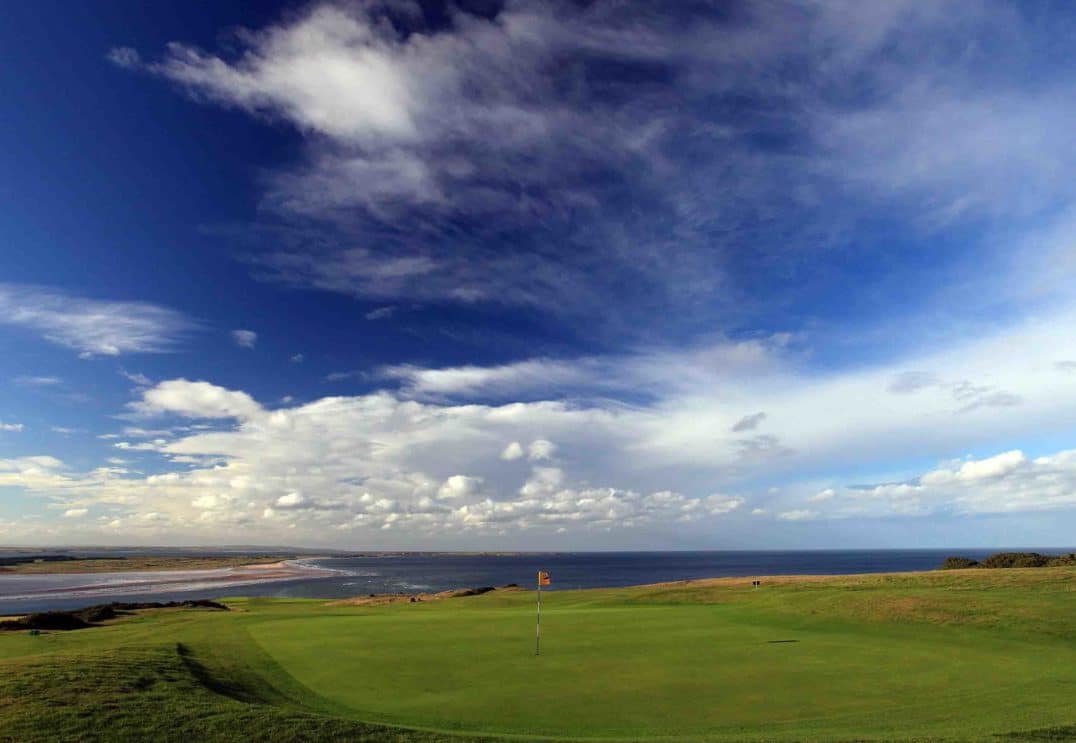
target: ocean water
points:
(425, 572)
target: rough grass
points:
(956, 656)
(162, 693)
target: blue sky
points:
(538, 275)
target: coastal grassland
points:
(149, 562)
(955, 655)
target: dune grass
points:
(962, 655)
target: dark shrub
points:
(959, 563)
(1016, 560)
(96, 613)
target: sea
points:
(361, 575)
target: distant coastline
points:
(327, 575)
(92, 584)
(49, 563)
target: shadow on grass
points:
(228, 688)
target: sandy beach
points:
(75, 585)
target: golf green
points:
(682, 670)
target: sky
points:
(538, 275)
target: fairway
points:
(961, 655)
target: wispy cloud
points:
(38, 381)
(92, 327)
(443, 164)
(244, 338)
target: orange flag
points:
(543, 578)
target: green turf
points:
(958, 656)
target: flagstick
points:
(538, 626)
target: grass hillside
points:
(954, 655)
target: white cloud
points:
(538, 375)
(196, 400)
(512, 452)
(540, 449)
(332, 73)
(797, 515)
(371, 464)
(459, 486)
(1008, 482)
(11, 427)
(293, 500)
(38, 381)
(75, 513)
(983, 469)
(411, 124)
(137, 377)
(244, 338)
(297, 358)
(90, 326)
(378, 462)
(208, 501)
(124, 56)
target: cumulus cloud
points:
(823, 495)
(387, 463)
(459, 486)
(90, 326)
(1008, 482)
(370, 464)
(293, 500)
(540, 449)
(512, 452)
(196, 400)
(244, 338)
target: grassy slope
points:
(961, 655)
(108, 565)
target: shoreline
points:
(68, 585)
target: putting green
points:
(621, 668)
